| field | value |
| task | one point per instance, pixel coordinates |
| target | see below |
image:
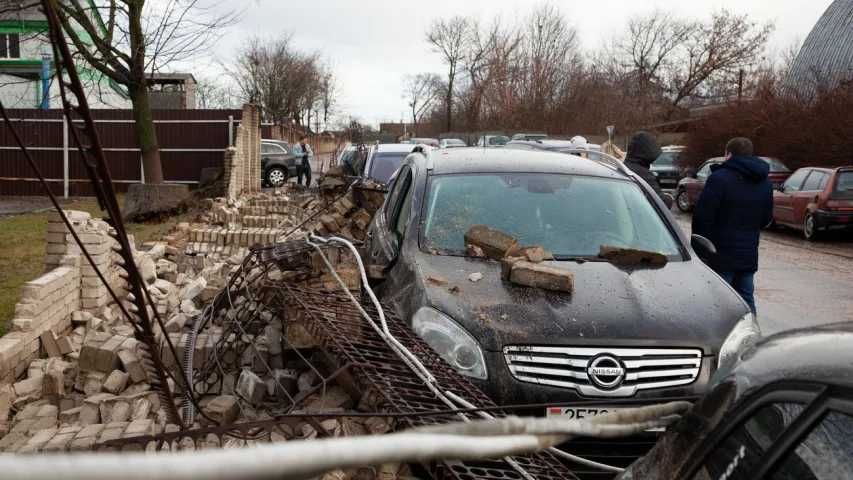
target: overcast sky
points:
(373, 43)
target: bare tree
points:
(127, 41)
(212, 94)
(420, 92)
(329, 91)
(448, 37)
(287, 83)
(650, 46)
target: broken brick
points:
(494, 243)
(542, 276)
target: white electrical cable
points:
(408, 358)
(552, 450)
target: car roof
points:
(496, 160)
(395, 147)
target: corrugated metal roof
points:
(826, 57)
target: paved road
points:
(800, 283)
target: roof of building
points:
(166, 78)
(826, 57)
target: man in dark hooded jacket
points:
(643, 150)
(735, 204)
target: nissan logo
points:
(606, 371)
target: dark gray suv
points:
(278, 163)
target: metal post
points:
(230, 130)
(64, 157)
(141, 169)
(45, 81)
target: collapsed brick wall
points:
(242, 165)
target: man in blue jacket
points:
(736, 203)
(303, 154)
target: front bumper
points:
(504, 389)
(827, 220)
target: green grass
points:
(23, 244)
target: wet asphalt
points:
(800, 283)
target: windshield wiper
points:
(577, 258)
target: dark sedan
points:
(278, 163)
(690, 187)
(524, 345)
(780, 410)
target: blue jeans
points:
(744, 284)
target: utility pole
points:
(740, 85)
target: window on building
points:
(10, 45)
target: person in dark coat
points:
(735, 204)
(643, 150)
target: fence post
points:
(141, 169)
(230, 130)
(64, 157)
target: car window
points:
(776, 165)
(565, 214)
(384, 164)
(844, 181)
(498, 140)
(666, 158)
(795, 181)
(813, 181)
(736, 455)
(823, 182)
(826, 453)
(402, 186)
(518, 146)
(406, 209)
(704, 171)
(394, 193)
(270, 148)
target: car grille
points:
(570, 367)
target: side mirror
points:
(703, 248)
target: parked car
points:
(451, 143)
(690, 187)
(529, 136)
(665, 170)
(492, 141)
(780, 409)
(384, 159)
(278, 163)
(432, 142)
(526, 345)
(815, 200)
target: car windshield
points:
(454, 141)
(776, 165)
(385, 164)
(498, 140)
(566, 215)
(666, 158)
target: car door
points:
(383, 242)
(694, 187)
(808, 196)
(783, 199)
(795, 432)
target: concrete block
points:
(71, 415)
(115, 410)
(48, 343)
(193, 289)
(176, 323)
(28, 387)
(90, 411)
(94, 382)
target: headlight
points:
(451, 342)
(745, 332)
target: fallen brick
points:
(193, 289)
(494, 243)
(532, 254)
(542, 276)
(222, 409)
(90, 412)
(132, 366)
(336, 397)
(65, 345)
(251, 388)
(94, 383)
(28, 387)
(70, 416)
(506, 266)
(176, 323)
(115, 382)
(12, 442)
(38, 440)
(115, 410)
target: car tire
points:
(683, 201)
(810, 230)
(277, 176)
(773, 225)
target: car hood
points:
(677, 304)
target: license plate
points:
(580, 412)
(586, 412)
